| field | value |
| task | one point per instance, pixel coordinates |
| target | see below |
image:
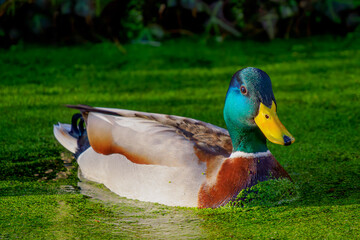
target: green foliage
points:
(133, 22)
(144, 21)
(268, 193)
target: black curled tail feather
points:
(78, 131)
(77, 127)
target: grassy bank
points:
(316, 85)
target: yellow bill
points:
(269, 123)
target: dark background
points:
(64, 22)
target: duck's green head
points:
(250, 112)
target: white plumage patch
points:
(172, 186)
(240, 154)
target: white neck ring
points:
(239, 154)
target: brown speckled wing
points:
(150, 138)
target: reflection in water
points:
(143, 219)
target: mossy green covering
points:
(268, 193)
(316, 84)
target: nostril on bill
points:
(287, 140)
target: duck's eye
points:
(267, 116)
(243, 90)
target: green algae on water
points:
(268, 193)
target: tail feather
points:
(62, 134)
(73, 136)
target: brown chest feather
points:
(225, 182)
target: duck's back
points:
(149, 138)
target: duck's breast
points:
(224, 182)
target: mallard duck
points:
(179, 161)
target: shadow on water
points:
(143, 219)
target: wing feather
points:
(151, 138)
